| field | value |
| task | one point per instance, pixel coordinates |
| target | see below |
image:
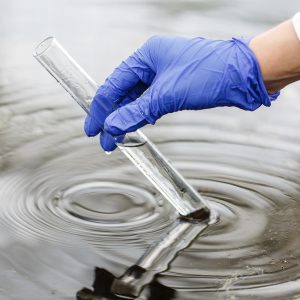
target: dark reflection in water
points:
(104, 281)
(66, 207)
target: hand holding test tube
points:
(146, 157)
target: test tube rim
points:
(51, 40)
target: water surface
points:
(66, 207)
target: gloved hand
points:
(169, 74)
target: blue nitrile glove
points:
(169, 74)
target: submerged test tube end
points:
(200, 215)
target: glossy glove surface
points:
(169, 74)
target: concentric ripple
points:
(104, 201)
(65, 207)
(99, 206)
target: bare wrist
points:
(278, 54)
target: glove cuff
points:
(256, 91)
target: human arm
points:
(169, 74)
(278, 54)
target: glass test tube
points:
(145, 156)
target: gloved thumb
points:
(131, 117)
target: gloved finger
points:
(94, 121)
(100, 108)
(126, 76)
(107, 142)
(133, 94)
(91, 126)
(130, 117)
(130, 79)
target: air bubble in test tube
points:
(136, 146)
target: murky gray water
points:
(65, 207)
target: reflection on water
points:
(102, 289)
(66, 207)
